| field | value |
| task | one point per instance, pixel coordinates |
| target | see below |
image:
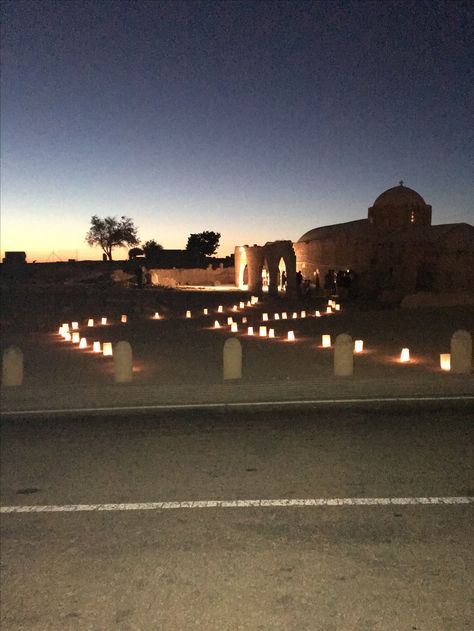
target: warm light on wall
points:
(284, 315)
(76, 338)
(104, 321)
(445, 361)
(74, 325)
(107, 349)
(96, 347)
(271, 333)
(216, 324)
(90, 322)
(250, 330)
(358, 346)
(263, 331)
(123, 319)
(188, 314)
(291, 336)
(83, 343)
(265, 317)
(405, 355)
(326, 341)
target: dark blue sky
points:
(260, 120)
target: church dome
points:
(399, 196)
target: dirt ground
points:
(176, 350)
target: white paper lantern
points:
(96, 347)
(445, 361)
(230, 320)
(405, 355)
(74, 325)
(188, 314)
(250, 330)
(233, 327)
(107, 349)
(284, 315)
(358, 346)
(317, 314)
(90, 322)
(295, 315)
(104, 321)
(67, 336)
(276, 316)
(329, 310)
(326, 341)
(217, 324)
(303, 314)
(83, 343)
(263, 331)
(205, 311)
(123, 319)
(156, 316)
(291, 336)
(235, 308)
(265, 317)
(271, 333)
(337, 307)
(76, 337)
(244, 320)
(220, 309)
(242, 305)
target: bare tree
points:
(110, 232)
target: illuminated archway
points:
(243, 270)
(282, 275)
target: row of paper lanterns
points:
(73, 335)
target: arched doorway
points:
(282, 275)
(265, 276)
(243, 270)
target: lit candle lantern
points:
(329, 303)
(76, 338)
(338, 307)
(263, 331)
(329, 310)
(61, 330)
(74, 325)
(291, 336)
(249, 304)
(205, 311)
(295, 315)
(265, 317)
(244, 320)
(445, 361)
(233, 327)
(250, 330)
(96, 347)
(284, 315)
(123, 319)
(326, 341)
(188, 314)
(235, 308)
(242, 305)
(107, 348)
(90, 322)
(271, 333)
(216, 324)
(66, 326)
(254, 300)
(276, 316)
(83, 343)
(405, 355)
(220, 309)
(156, 316)
(317, 314)
(104, 321)
(303, 314)
(67, 336)
(358, 346)
(229, 320)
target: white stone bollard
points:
(344, 356)
(232, 359)
(461, 352)
(123, 365)
(12, 367)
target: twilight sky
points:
(259, 120)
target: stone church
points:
(394, 251)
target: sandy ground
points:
(175, 350)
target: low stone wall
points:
(431, 299)
(193, 276)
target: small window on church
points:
(412, 216)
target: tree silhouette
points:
(203, 243)
(151, 248)
(134, 252)
(110, 232)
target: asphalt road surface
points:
(109, 554)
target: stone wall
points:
(193, 276)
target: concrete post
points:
(12, 366)
(123, 368)
(232, 359)
(461, 352)
(344, 356)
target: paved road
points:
(309, 567)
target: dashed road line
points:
(258, 503)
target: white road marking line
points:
(337, 501)
(236, 404)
